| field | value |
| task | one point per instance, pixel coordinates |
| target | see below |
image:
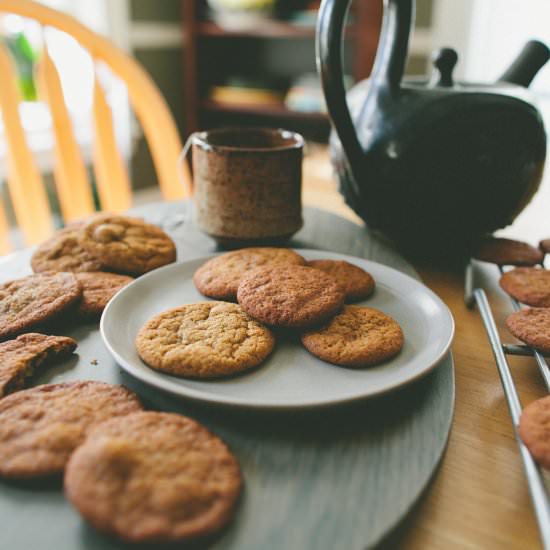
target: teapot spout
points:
(528, 63)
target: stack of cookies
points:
(275, 289)
(140, 476)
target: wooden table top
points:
(479, 497)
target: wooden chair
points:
(25, 184)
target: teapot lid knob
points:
(444, 62)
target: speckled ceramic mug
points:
(247, 184)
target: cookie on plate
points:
(35, 300)
(22, 357)
(63, 252)
(534, 429)
(508, 252)
(97, 289)
(531, 326)
(219, 277)
(544, 245)
(154, 477)
(357, 337)
(529, 285)
(290, 296)
(127, 245)
(204, 340)
(358, 284)
(40, 427)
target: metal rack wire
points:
(537, 488)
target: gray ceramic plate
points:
(290, 377)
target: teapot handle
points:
(388, 68)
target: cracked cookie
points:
(204, 340)
(290, 296)
(357, 337)
(127, 245)
(97, 289)
(534, 429)
(531, 326)
(22, 357)
(154, 477)
(508, 252)
(529, 285)
(219, 277)
(34, 300)
(40, 427)
(64, 252)
(357, 283)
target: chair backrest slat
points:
(110, 170)
(27, 191)
(73, 187)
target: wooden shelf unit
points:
(202, 113)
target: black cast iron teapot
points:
(432, 163)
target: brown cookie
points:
(41, 427)
(97, 289)
(154, 477)
(356, 282)
(531, 326)
(357, 337)
(205, 340)
(529, 285)
(290, 296)
(127, 245)
(34, 300)
(63, 252)
(508, 252)
(22, 357)
(534, 429)
(544, 245)
(220, 277)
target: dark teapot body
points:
(432, 164)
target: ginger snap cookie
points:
(531, 326)
(40, 427)
(290, 296)
(22, 357)
(127, 245)
(97, 289)
(154, 477)
(204, 340)
(529, 285)
(219, 277)
(534, 429)
(64, 252)
(357, 337)
(358, 284)
(34, 300)
(508, 252)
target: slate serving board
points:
(335, 478)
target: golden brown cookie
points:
(534, 429)
(97, 289)
(508, 252)
(205, 340)
(63, 252)
(220, 277)
(544, 245)
(41, 427)
(127, 245)
(290, 296)
(154, 477)
(357, 337)
(35, 300)
(22, 357)
(356, 282)
(529, 285)
(531, 326)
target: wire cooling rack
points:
(473, 296)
